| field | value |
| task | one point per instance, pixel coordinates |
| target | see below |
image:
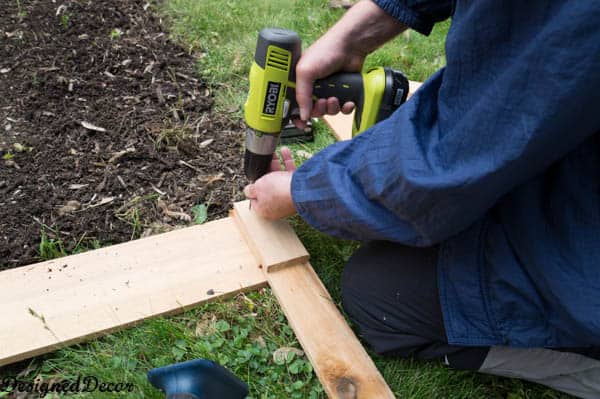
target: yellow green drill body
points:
(271, 101)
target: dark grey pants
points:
(390, 293)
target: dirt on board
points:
(106, 130)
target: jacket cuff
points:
(406, 15)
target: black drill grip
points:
(344, 86)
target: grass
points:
(243, 333)
(224, 35)
(52, 248)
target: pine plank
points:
(53, 304)
(338, 358)
(273, 243)
(341, 124)
(340, 361)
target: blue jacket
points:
(497, 159)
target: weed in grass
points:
(64, 20)
(50, 248)
(35, 82)
(21, 13)
(132, 217)
(200, 213)
(170, 137)
(115, 34)
(84, 245)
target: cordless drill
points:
(271, 101)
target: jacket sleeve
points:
(446, 156)
(419, 15)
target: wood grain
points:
(273, 243)
(341, 124)
(53, 304)
(338, 358)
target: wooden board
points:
(273, 243)
(338, 358)
(57, 303)
(341, 124)
(52, 304)
(340, 361)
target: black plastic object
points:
(293, 135)
(395, 94)
(198, 379)
(346, 86)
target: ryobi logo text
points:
(270, 105)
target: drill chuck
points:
(260, 147)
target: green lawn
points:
(242, 333)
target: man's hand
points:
(342, 48)
(271, 196)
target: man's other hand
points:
(270, 196)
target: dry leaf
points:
(19, 147)
(173, 214)
(89, 126)
(304, 154)
(61, 9)
(117, 155)
(103, 201)
(206, 143)
(77, 186)
(70, 206)
(205, 326)
(260, 341)
(280, 355)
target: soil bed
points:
(106, 131)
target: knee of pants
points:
(359, 300)
(350, 295)
(390, 294)
(362, 308)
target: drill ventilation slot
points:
(278, 59)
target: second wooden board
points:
(340, 361)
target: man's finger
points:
(275, 165)
(304, 88)
(250, 191)
(299, 123)
(320, 107)
(333, 106)
(348, 107)
(288, 159)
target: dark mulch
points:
(152, 147)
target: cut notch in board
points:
(273, 243)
